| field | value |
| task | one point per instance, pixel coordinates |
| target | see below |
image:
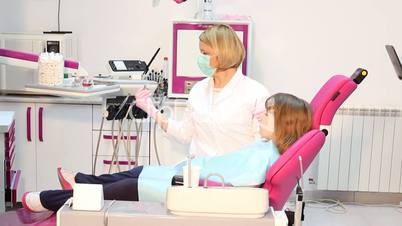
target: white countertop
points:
(48, 99)
(6, 119)
(25, 98)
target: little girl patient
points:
(286, 118)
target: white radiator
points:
(363, 151)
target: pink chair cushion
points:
(329, 98)
(282, 176)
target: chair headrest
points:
(329, 98)
(307, 141)
(282, 176)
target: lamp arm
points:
(30, 60)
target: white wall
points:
(297, 44)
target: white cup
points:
(195, 176)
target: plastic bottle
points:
(208, 10)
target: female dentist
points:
(222, 109)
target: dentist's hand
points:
(144, 102)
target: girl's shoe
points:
(31, 201)
(66, 178)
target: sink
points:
(242, 202)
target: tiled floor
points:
(355, 216)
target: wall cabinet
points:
(25, 152)
(64, 139)
(49, 136)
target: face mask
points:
(203, 64)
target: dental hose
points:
(156, 146)
(139, 140)
(115, 142)
(154, 132)
(127, 144)
(115, 146)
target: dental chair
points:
(283, 175)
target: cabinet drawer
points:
(8, 169)
(9, 152)
(9, 141)
(103, 163)
(9, 160)
(11, 130)
(10, 136)
(97, 119)
(106, 148)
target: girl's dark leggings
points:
(117, 186)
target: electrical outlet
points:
(311, 181)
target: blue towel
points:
(244, 167)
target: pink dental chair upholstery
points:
(283, 175)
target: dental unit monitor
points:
(128, 69)
(395, 60)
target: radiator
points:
(362, 152)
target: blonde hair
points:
(293, 118)
(229, 49)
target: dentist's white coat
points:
(215, 129)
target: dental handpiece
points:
(299, 196)
(189, 170)
(299, 206)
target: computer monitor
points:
(395, 60)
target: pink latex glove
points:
(259, 111)
(144, 102)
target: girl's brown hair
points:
(293, 118)
(224, 40)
